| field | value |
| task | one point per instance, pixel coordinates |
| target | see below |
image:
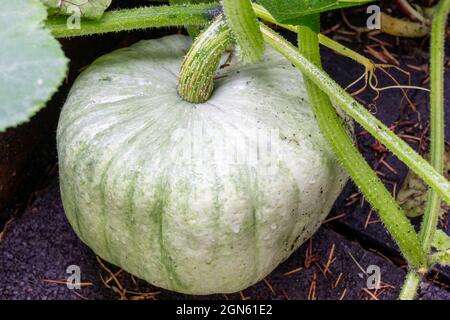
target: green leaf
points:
(445, 259)
(440, 257)
(441, 241)
(413, 193)
(32, 64)
(289, 11)
(87, 8)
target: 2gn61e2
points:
(261, 309)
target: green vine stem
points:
(409, 289)
(196, 79)
(362, 174)
(138, 18)
(265, 15)
(193, 31)
(370, 67)
(437, 136)
(245, 28)
(403, 28)
(349, 105)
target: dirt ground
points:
(37, 246)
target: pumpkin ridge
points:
(255, 241)
(217, 211)
(255, 205)
(296, 186)
(157, 208)
(104, 233)
(83, 151)
(162, 198)
(130, 211)
(103, 180)
(76, 211)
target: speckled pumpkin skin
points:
(197, 199)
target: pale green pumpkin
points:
(198, 199)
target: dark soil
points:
(38, 246)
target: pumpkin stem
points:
(196, 79)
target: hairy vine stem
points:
(245, 29)
(403, 28)
(410, 286)
(196, 79)
(265, 15)
(333, 129)
(370, 67)
(437, 134)
(437, 137)
(138, 18)
(193, 31)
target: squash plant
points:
(156, 141)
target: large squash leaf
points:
(289, 11)
(441, 241)
(413, 193)
(88, 8)
(32, 64)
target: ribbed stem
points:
(196, 79)
(137, 18)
